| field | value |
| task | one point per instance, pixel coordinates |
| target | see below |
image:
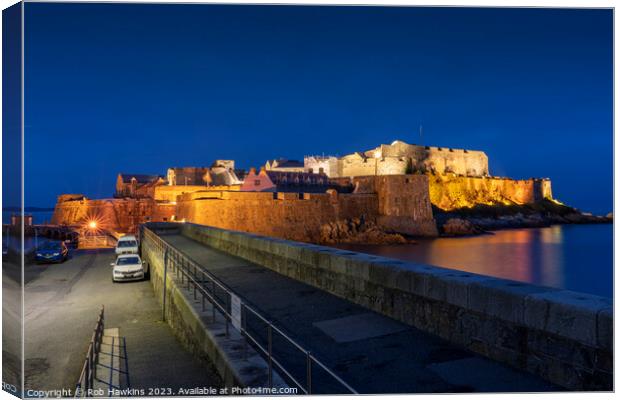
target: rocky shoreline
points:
(463, 222)
(480, 219)
(358, 231)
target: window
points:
(257, 182)
(128, 261)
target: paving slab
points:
(358, 327)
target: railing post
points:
(227, 330)
(244, 332)
(92, 370)
(87, 377)
(213, 299)
(95, 357)
(163, 310)
(195, 281)
(96, 340)
(187, 271)
(86, 373)
(270, 350)
(227, 312)
(202, 291)
(308, 372)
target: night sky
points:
(139, 88)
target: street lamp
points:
(92, 225)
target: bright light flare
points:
(94, 223)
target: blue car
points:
(52, 252)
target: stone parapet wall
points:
(372, 167)
(170, 193)
(562, 336)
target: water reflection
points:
(573, 257)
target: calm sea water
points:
(574, 257)
(38, 217)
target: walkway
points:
(62, 304)
(371, 352)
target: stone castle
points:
(392, 186)
(401, 158)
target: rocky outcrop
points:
(460, 227)
(482, 217)
(357, 230)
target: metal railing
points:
(96, 241)
(84, 385)
(201, 282)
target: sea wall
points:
(294, 216)
(450, 192)
(562, 336)
(120, 215)
(395, 203)
(404, 202)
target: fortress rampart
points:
(120, 215)
(403, 202)
(452, 192)
(292, 216)
(396, 203)
(170, 192)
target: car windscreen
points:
(50, 246)
(128, 261)
(127, 243)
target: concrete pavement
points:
(61, 308)
(11, 325)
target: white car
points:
(129, 267)
(127, 244)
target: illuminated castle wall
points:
(401, 158)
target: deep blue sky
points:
(139, 88)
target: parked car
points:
(129, 267)
(50, 252)
(127, 244)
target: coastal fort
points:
(391, 189)
(231, 223)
